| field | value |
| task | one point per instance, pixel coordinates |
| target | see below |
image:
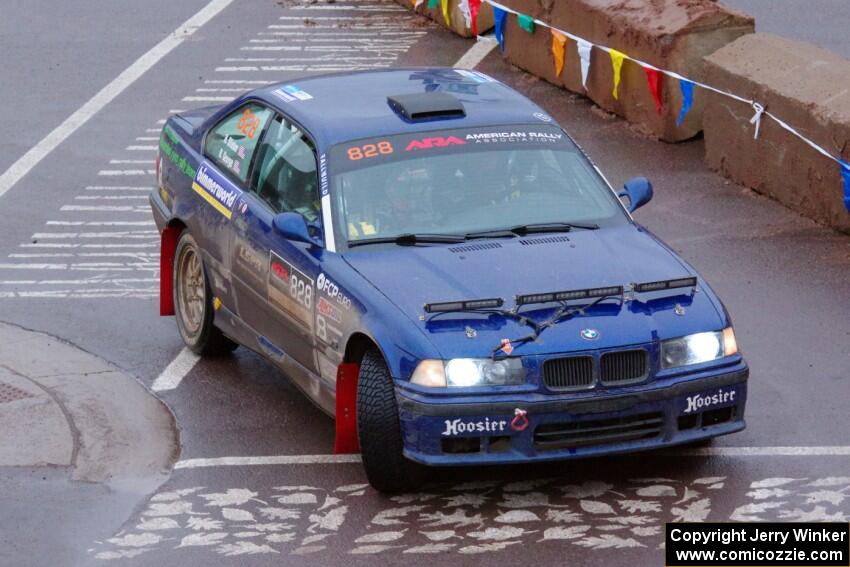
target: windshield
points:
(457, 182)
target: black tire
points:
(193, 302)
(379, 430)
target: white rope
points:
(758, 108)
(756, 119)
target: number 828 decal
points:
(291, 291)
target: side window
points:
(285, 176)
(232, 142)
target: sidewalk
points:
(61, 406)
(81, 444)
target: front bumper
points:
(437, 432)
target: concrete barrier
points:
(457, 15)
(803, 85)
(670, 34)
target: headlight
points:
(466, 372)
(700, 347)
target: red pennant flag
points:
(653, 79)
(474, 10)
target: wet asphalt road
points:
(783, 279)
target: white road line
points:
(273, 460)
(147, 138)
(131, 161)
(102, 223)
(154, 244)
(235, 82)
(207, 98)
(109, 197)
(335, 459)
(118, 85)
(827, 451)
(110, 208)
(113, 172)
(141, 148)
(118, 188)
(175, 371)
(476, 54)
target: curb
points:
(66, 407)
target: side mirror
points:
(639, 192)
(292, 226)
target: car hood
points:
(411, 276)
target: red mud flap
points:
(346, 408)
(168, 246)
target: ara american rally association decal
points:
(215, 189)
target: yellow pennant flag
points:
(617, 62)
(559, 43)
(446, 14)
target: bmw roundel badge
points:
(589, 334)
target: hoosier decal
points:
(215, 189)
(720, 397)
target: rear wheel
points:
(379, 430)
(193, 302)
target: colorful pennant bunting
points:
(559, 45)
(499, 18)
(447, 16)
(617, 64)
(417, 3)
(653, 80)
(584, 48)
(526, 22)
(467, 15)
(687, 88)
(653, 76)
(474, 10)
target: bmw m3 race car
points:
(437, 265)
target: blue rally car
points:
(436, 264)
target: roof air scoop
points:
(426, 106)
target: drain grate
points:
(9, 393)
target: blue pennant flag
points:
(687, 98)
(845, 174)
(500, 17)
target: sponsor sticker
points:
(475, 76)
(290, 290)
(215, 189)
(468, 427)
(513, 137)
(291, 93)
(323, 175)
(720, 397)
(434, 142)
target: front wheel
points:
(379, 430)
(193, 302)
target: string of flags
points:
(653, 76)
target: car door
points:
(274, 279)
(222, 180)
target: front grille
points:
(568, 373)
(554, 436)
(623, 367)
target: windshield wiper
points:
(410, 239)
(524, 229)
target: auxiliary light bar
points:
(469, 305)
(666, 284)
(569, 295)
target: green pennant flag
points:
(526, 22)
(433, 3)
